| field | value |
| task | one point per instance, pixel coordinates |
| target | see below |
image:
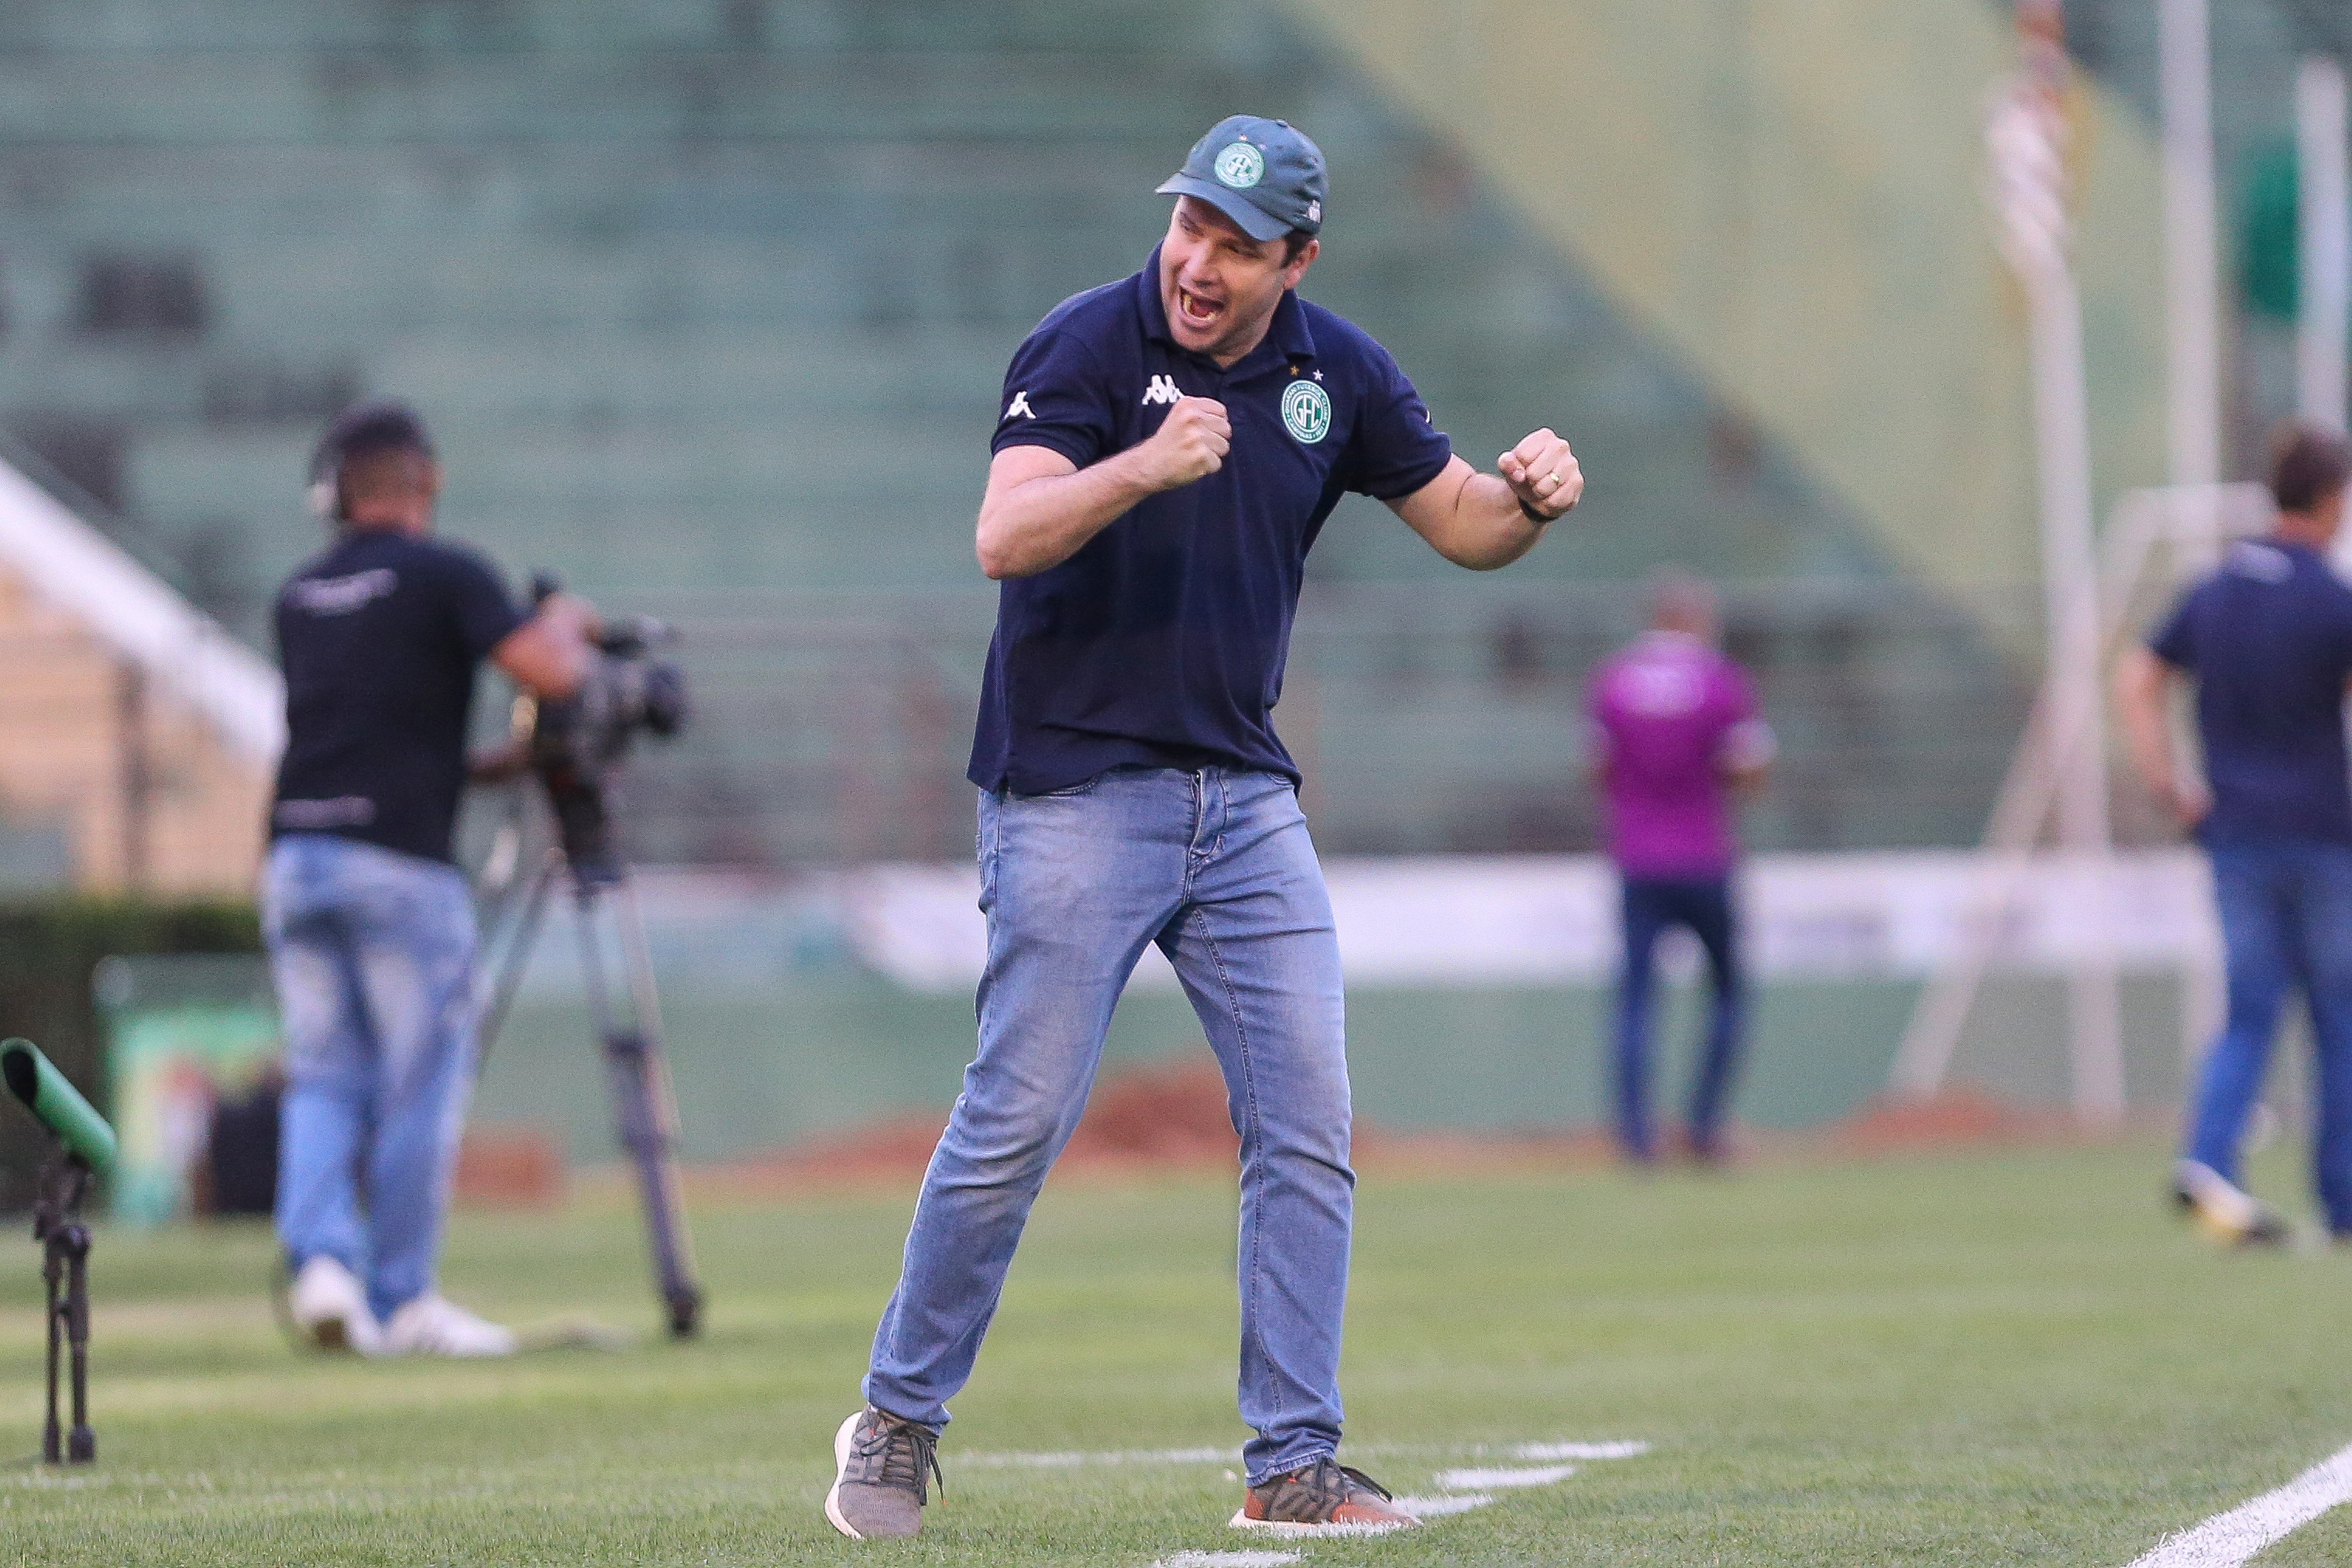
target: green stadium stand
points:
(709, 301)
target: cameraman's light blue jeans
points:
(1216, 868)
(373, 953)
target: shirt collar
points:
(1288, 337)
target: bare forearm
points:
(1486, 521)
(1489, 530)
(1472, 519)
(2146, 720)
(548, 654)
(1036, 525)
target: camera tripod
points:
(628, 1019)
(57, 1226)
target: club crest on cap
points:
(1241, 165)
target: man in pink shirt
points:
(1675, 729)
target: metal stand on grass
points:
(85, 1150)
(626, 1017)
(65, 1272)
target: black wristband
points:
(1532, 515)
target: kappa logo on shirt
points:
(1019, 407)
(1161, 390)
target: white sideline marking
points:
(1074, 1459)
(1479, 1481)
(1228, 1560)
(1427, 1508)
(1319, 1531)
(1579, 1450)
(2227, 1539)
(1110, 1457)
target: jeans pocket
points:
(984, 847)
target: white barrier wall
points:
(1553, 919)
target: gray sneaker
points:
(882, 1470)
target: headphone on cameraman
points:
(385, 425)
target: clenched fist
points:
(1190, 444)
(1543, 473)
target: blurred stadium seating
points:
(709, 298)
(709, 302)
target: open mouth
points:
(1198, 310)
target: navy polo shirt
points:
(2268, 638)
(1161, 642)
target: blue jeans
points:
(2286, 925)
(373, 953)
(1652, 907)
(1216, 868)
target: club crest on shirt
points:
(1241, 165)
(1306, 411)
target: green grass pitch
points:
(1980, 1358)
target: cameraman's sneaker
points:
(2225, 1212)
(329, 1308)
(882, 1468)
(433, 1324)
(1326, 1498)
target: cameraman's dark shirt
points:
(380, 637)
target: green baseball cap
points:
(1262, 173)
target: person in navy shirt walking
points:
(1169, 447)
(2268, 640)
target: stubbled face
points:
(1219, 286)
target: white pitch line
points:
(1228, 1560)
(1108, 1457)
(1579, 1450)
(1074, 1459)
(1479, 1481)
(1428, 1508)
(1286, 1528)
(2227, 1539)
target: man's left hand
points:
(1543, 473)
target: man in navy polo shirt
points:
(1170, 446)
(2268, 640)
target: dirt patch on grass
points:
(1149, 1120)
(1137, 1120)
(1954, 1116)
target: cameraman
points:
(369, 922)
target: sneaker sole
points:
(1242, 1521)
(841, 1443)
